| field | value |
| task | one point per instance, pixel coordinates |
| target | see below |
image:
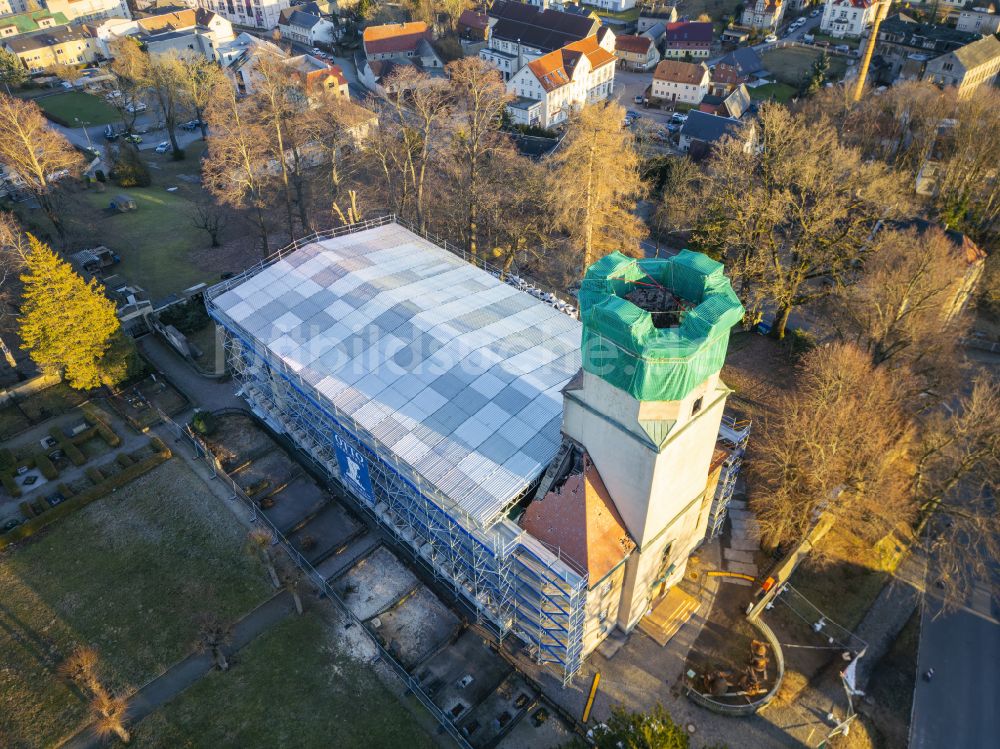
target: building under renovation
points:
(556, 472)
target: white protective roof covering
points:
(455, 372)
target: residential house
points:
(401, 42)
(472, 26)
(305, 27)
(615, 6)
(682, 82)
(905, 46)
(89, 10)
(733, 104)
(8, 7)
(650, 15)
(978, 21)
(257, 14)
(702, 130)
(519, 33)
(636, 52)
(725, 78)
(72, 45)
(25, 23)
(318, 77)
(656, 32)
(967, 68)
(239, 56)
(763, 14)
(746, 60)
(686, 40)
(562, 81)
(847, 18)
(183, 31)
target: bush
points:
(82, 499)
(94, 475)
(157, 444)
(74, 454)
(189, 317)
(203, 423)
(9, 485)
(43, 464)
(6, 460)
(128, 169)
(38, 506)
(25, 508)
(66, 490)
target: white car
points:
(770, 38)
(134, 108)
(815, 13)
(163, 147)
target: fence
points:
(317, 579)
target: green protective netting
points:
(620, 343)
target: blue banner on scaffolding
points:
(353, 469)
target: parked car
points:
(163, 147)
(815, 12)
(122, 203)
(134, 108)
(808, 38)
(11, 524)
(110, 133)
(133, 138)
(770, 38)
(673, 127)
(191, 125)
(845, 49)
(55, 499)
(678, 118)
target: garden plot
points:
(542, 728)
(416, 627)
(326, 532)
(375, 583)
(294, 503)
(266, 474)
(237, 439)
(493, 717)
(445, 675)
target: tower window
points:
(697, 406)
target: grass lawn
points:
(781, 92)
(791, 64)
(72, 105)
(290, 687)
(128, 575)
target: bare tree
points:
(200, 82)
(211, 218)
(838, 444)
(259, 544)
(480, 100)
(791, 216)
(904, 307)
(38, 155)
(235, 171)
(164, 76)
(291, 579)
(128, 63)
(13, 248)
(213, 636)
(109, 716)
(595, 182)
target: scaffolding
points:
(733, 436)
(513, 582)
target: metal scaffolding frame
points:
(733, 436)
(513, 582)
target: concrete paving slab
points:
(742, 568)
(744, 544)
(416, 627)
(736, 555)
(375, 583)
(332, 566)
(739, 504)
(738, 514)
(737, 581)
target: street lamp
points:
(85, 130)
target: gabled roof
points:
(556, 69)
(861, 4)
(978, 53)
(726, 75)
(638, 45)
(689, 31)
(298, 19)
(395, 37)
(680, 72)
(27, 22)
(581, 520)
(536, 27)
(474, 20)
(745, 59)
(48, 38)
(172, 21)
(708, 127)
(929, 38)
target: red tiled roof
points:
(680, 72)
(582, 521)
(727, 75)
(395, 37)
(555, 69)
(473, 20)
(637, 45)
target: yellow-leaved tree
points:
(67, 324)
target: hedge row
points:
(84, 498)
(9, 485)
(43, 464)
(95, 417)
(68, 445)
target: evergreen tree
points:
(67, 324)
(12, 72)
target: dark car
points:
(12, 523)
(55, 499)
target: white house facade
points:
(258, 14)
(561, 82)
(684, 82)
(763, 14)
(847, 18)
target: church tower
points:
(648, 406)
